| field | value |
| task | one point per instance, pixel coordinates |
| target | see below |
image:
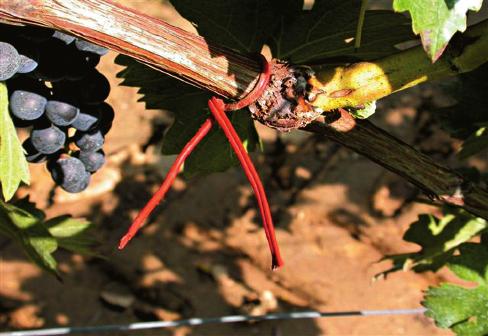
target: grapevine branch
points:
(169, 49)
(201, 63)
(438, 182)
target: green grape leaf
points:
(24, 223)
(27, 228)
(72, 234)
(243, 25)
(438, 239)
(328, 31)
(189, 106)
(437, 20)
(468, 114)
(467, 119)
(13, 165)
(464, 310)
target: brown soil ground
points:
(204, 253)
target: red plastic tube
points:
(218, 109)
(167, 183)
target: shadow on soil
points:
(185, 262)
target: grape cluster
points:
(55, 90)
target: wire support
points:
(211, 320)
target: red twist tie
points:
(258, 89)
(218, 109)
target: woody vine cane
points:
(218, 109)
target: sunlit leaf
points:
(437, 238)
(437, 20)
(462, 309)
(24, 223)
(13, 165)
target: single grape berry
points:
(90, 47)
(106, 117)
(107, 112)
(70, 174)
(9, 61)
(93, 161)
(89, 142)
(48, 140)
(54, 61)
(78, 65)
(87, 119)
(27, 64)
(94, 88)
(60, 113)
(27, 105)
(68, 39)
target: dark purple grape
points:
(89, 142)
(68, 39)
(105, 128)
(9, 61)
(80, 64)
(93, 161)
(106, 113)
(54, 61)
(94, 88)
(90, 47)
(27, 105)
(75, 99)
(91, 60)
(87, 119)
(48, 140)
(83, 64)
(60, 113)
(70, 174)
(100, 116)
(106, 117)
(32, 155)
(27, 64)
